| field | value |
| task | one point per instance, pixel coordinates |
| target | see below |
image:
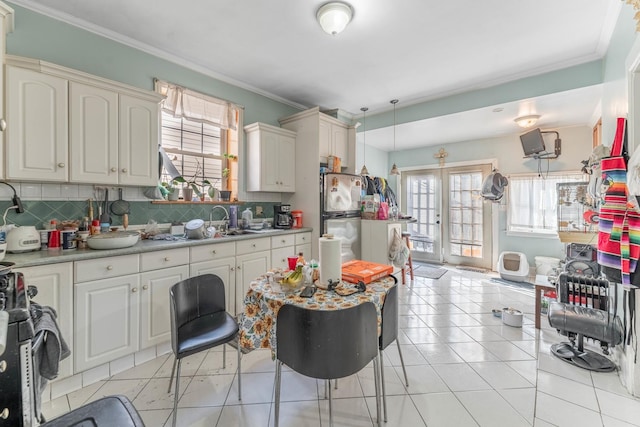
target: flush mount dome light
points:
(527, 121)
(333, 17)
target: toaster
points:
(23, 239)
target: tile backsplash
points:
(43, 202)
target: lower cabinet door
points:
(279, 257)
(55, 289)
(106, 320)
(248, 268)
(225, 269)
(155, 314)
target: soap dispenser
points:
(247, 217)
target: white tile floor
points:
(465, 369)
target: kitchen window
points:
(199, 134)
(533, 202)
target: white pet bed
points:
(513, 266)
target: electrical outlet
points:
(258, 210)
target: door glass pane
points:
(421, 205)
(465, 214)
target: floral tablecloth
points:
(263, 301)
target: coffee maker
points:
(282, 217)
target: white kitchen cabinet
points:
(67, 126)
(106, 320)
(375, 240)
(138, 141)
(55, 289)
(155, 314)
(314, 140)
(6, 26)
(218, 259)
(303, 244)
(225, 268)
(271, 160)
(37, 126)
(93, 134)
(253, 259)
(333, 140)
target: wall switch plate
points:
(258, 210)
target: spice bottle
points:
(95, 227)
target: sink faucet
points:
(226, 215)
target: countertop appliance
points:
(23, 239)
(340, 204)
(20, 376)
(282, 217)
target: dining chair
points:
(326, 344)
(389, 334)
(199, 322)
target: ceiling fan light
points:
(334, 17)
(527, 121)
(394, 170)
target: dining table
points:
(258, 320)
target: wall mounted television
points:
(532, 142)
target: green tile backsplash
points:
(40, 212)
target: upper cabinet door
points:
(324, 141)
(139, 133)
(37, 126)
(93, 134)
(339, 138)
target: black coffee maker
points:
(282, 216)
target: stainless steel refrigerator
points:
(340, 200)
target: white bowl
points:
(113, 240)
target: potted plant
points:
(172, 189)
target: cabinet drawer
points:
(302, 238)
(164, 259)
(254, 245)
(103, 268)
(211, 252)
(282, 241)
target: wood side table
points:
(541, 284)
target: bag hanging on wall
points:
(619, 223)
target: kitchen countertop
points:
(30, 259)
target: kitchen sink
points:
(261, 231)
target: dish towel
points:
(50, 353)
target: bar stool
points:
(407, 239)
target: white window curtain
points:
(533, 202)
(184, 103)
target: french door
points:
(453, 222)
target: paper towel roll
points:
(330, 260)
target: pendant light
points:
(364, 171)
(394, 168)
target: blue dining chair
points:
(326, 344)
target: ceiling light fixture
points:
(394, 168)
(364, 171)
(334, 16)
(527, 121)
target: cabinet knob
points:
(110, 267)
(3, 125)
(3, 365)
(253, 245)
(283, 260)
(238, 267)
(4, 414)
(60, 165)
(283, 241)
(214, 252)
(232, 269)
(114, 170)
(167, 258)
(145, 287)
(124, 170)
(134, 289)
